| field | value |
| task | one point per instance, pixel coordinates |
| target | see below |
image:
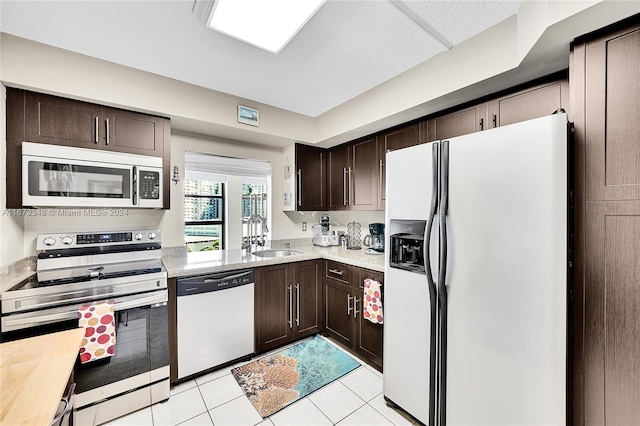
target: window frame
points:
(221, 222)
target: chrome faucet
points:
(254, 238)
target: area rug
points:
(275, 381)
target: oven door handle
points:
(146, 301)
(44, 319)
(157, 298)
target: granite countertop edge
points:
(198, 263)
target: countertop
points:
(204, 262)
(197, 263)
(33, 375)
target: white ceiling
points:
(347, 48)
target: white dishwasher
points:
(215, 320)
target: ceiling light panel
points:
(269, 25)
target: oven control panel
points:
(46, 242)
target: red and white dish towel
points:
(373, 301)
(99, 325)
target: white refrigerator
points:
(475, 295)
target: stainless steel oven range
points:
(77, 269)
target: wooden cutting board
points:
(33, 375)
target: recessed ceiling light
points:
(267, 24)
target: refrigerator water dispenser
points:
(407, 245)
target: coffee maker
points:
(321, 235)
(375, 239)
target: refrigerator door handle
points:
(442, 276)
(433, 292)
(432, 215)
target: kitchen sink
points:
(276, 253)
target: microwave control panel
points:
(149, 185)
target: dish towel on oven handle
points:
(372, 301)
(98, 321)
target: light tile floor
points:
(216, 399)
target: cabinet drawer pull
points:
(97, 134)
(107, 126)
(482, 124)
(495, 121)
(335, 271)
(355, 307)
(349, 308)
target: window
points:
(218, 193)
(203, 214)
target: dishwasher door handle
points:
(290, 307)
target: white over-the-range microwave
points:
(61, 176)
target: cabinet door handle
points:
(335, 271)
(97, 128)
(495, 121)
(290, 308)
(349, 309)
(380, 179)
(107, 124)
(297, 304)
(351, 188)
(345, 201)
(355, 307)
(299, 187)
(482, 124)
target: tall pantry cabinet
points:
(605, 86)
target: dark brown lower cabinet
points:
(344, 321)
(369, 335)
(612, 313)
(338, 302)
(288, 301)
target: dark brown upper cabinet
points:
(39, 118)
(338, 169)
(364, 175)
(353, 176)
(311, 189)
(398, 138)
(609, 66)
(531, 103)
(60, 121)
(468, 120)
(132, 132)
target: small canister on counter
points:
(353, 236)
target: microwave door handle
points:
(134, 192)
